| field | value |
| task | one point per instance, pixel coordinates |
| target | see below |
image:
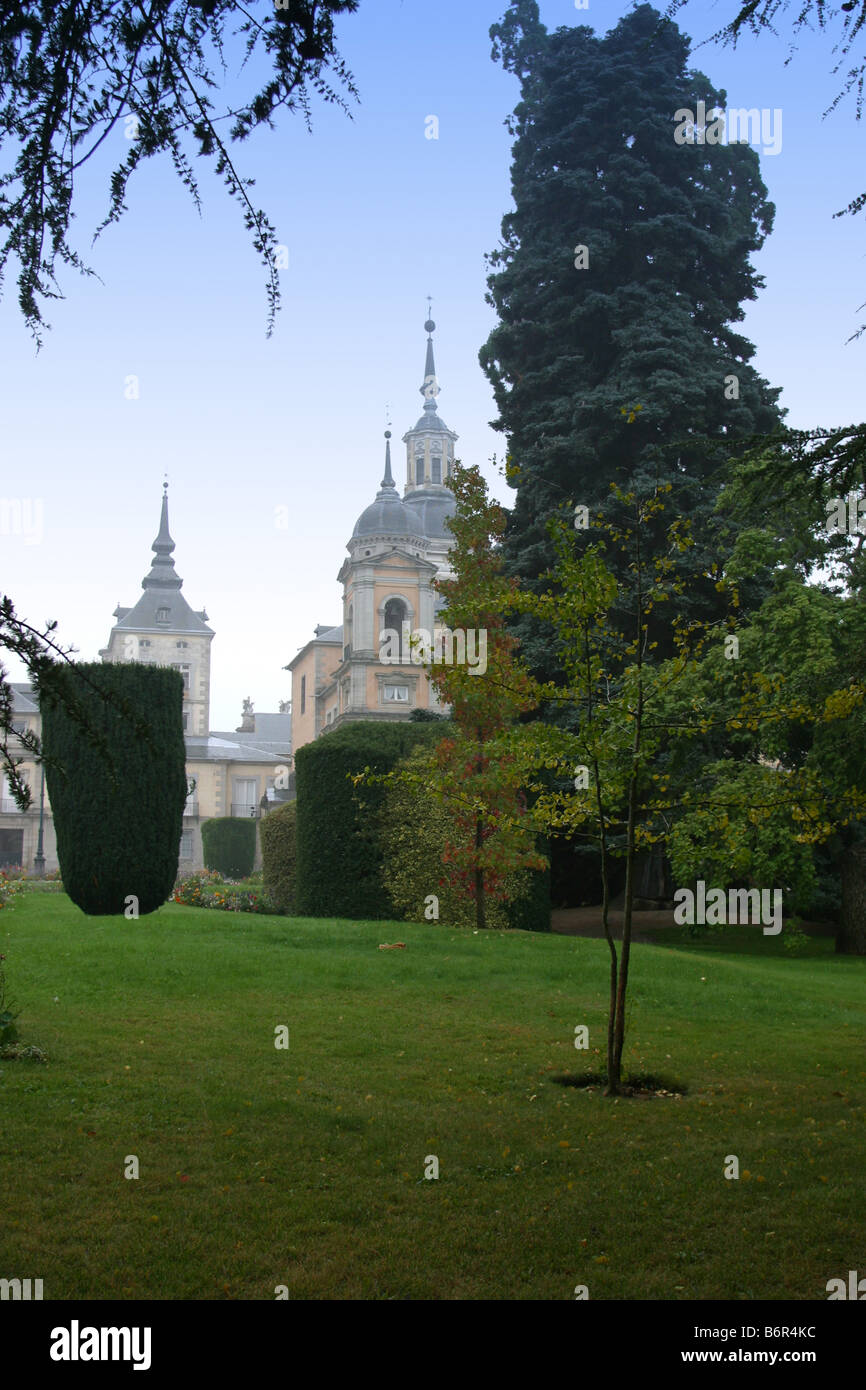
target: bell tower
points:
(429, 462)
(162, 628)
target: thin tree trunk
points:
(480, 914)
(614, 1078)
(605, 906)
(480, 906)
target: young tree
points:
(492, 837)
(611, 684)
(703, 752)
(71, 75)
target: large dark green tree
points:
(629, 370)
(118, 824)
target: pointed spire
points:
(430, 389)
(162, 572)
(388, 480)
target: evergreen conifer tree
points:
(619, 283)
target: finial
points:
(429, 325)
(164, 484)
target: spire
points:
(162, 572)
(388, 480)
(430, 389)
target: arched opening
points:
(396, 614)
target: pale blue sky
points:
(375, 217)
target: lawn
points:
(305, 1167)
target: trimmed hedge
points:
(229, 845)
(278, 834)
(339, 863)
(414, 833)
(118, 818)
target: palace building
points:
(398, 547)
(229, 773)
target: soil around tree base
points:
(643, 1086)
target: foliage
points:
(339, 854)
(743, 832)
(70, 74)
(229, 845)
(118, 828)
(621, 372)
(278, 835)
(415, 829)
(490, 840)
(41, 655)
(778, 746)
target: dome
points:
(431, 422)
(433, 509)
(389, 516)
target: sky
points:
(273, 447)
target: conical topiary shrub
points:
(118, 810)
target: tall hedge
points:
(339, 871)
(118, 820)
(278, 834)
(414, 831)
(229, 845)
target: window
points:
(183, 667)
(395, 616)
(177, 644)
(436, 468)
(162, 615)
(145, 642)
(303, 694)
(186, 723)
(244, 796)
(397, 694)
(419, 467)
(185, 844)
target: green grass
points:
(305, 1167)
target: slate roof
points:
(162, 585)
(222, 748)
(22, 698)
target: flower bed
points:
(8, 888)
(207, 889)
(18, 880)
